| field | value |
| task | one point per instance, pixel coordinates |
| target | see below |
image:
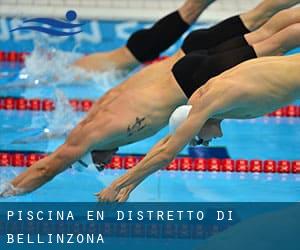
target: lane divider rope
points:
(84, 105)
(19, 57)
(13, 56)
(26, 159)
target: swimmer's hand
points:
(124, 194)
(109, 194)
(8, 190)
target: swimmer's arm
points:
(46, 169)
(160, 156)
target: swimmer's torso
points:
(143, 103)
(154, 90)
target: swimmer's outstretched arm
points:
(81, 139)
(43, 171)
(159, 157)
(164, 152)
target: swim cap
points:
(178, 117)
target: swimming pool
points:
(266, 138)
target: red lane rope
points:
(36, 104)
(85, 105)
(13, 56)
(12, 103)
(19, 57)
(21, 159)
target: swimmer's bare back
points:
(255, 87)
(249, 90)
(138, 107)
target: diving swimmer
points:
(136, 109)
(276, 83)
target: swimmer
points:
(278, 22)
(147, 44)
(235, 94)
(138, 108)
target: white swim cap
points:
(178, 117)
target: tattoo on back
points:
(137, 126)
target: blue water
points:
(263, 138)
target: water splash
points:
(59, 122)
(48, 66)
(63, 119)
(8, 190)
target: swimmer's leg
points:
(256, 17)
(151, 41)
(279, 43)
(280, 21)
(229, 34)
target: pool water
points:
(263, 138)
